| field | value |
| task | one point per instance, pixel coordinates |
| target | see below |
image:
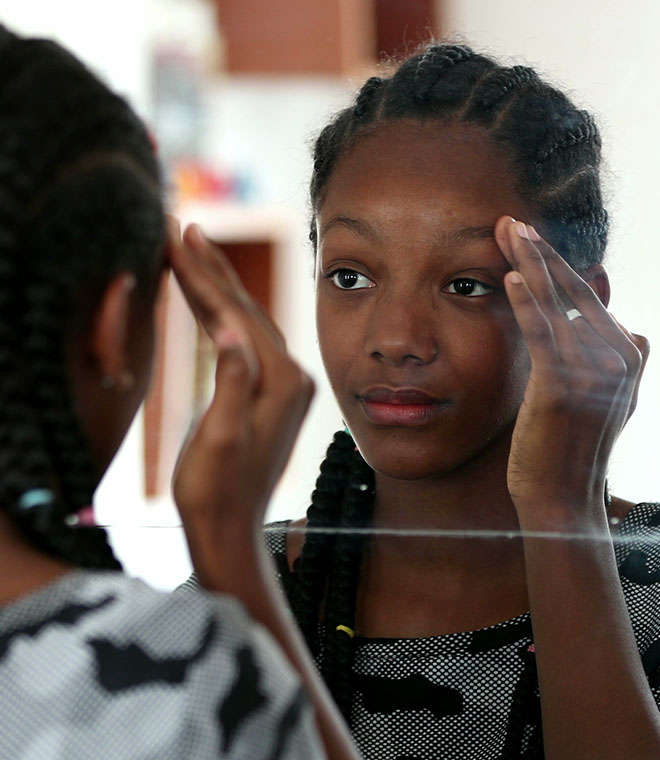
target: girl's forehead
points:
(416, 139)
(429, 173)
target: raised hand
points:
(584, 376)
(230, 464)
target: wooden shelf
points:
(326, 37)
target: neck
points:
(472, 498)
(23, 568)
(422, 585)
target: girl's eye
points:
(466, 286)
(349, 279)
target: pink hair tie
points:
(531, 648)
(86, 516)
(83, 518)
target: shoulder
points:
(637, 547)
(90, 606)
(637, 543)
(197, 658)
(285, 538)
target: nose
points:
(402, 329)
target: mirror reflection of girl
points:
(93, 663)
(483, 383)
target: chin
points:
(404, 457)
(408, 462)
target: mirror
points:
(236, 93)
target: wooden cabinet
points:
(323, 37)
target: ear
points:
(107, 344)
(597, 279)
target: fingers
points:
(591, 354)
(535, 327)
(226, 421)
(216, 293)
(214, 260)
(643, 346)
(206, 288)
(218, 298)
(558, 288)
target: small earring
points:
(107, 382)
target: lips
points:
(404, 407)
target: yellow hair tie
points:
(349, 631)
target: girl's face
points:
(416, 333)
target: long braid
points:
(555, 153)
(312, 566)
(328, 567)
(338, 646)
(79, 202)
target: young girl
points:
(92, 663)
(455, 575)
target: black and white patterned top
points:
(450, 696)
(99, 665)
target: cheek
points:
(333, 339)
(512, 373)
(333, 350)
(495, 360)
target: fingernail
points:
(515, 278)
(533, 234)
(197, 234)
(521, 229)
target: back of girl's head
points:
(553, 147)
(79, 203)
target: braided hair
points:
(79, 203)
(555, 152)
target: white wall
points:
(110, 37)
(606, 53)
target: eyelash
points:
(332, 275)
(475, 283)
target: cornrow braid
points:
(554, 150)
(79, 202)
(493, 90)
(583, 130)
(367, 100)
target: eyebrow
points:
(361, 228)
(480, 232)
(364, 229)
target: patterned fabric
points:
(450, 696)
(98, 665)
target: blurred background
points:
(235, 91)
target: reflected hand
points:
(583, 382)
